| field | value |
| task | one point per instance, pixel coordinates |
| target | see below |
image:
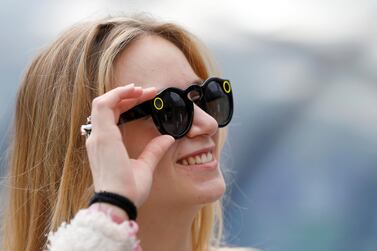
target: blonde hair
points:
(47, 152)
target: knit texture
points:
(93, 231)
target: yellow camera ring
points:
(161, 104)
(226, 86)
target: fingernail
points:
(130, 85)
(149, 88)
(171, 137)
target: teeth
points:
(191, 161)
(209, 156)
(198, 159)
(204, 158)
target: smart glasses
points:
(172, 109)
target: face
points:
(154, 61)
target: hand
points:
(112, 169)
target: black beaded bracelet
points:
(117, 200)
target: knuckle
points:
(99, 102)
(118, 88)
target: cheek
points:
(137, 135)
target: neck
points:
(166, 228)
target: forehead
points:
(154, 61)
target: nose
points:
(202, 124)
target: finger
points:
(137, 92)
(111, 98)
(102, 110)
(148, 93)
(124, 106)
(155, 149)
(127, 104)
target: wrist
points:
(117, 200)
(117, 214)
(118, 190)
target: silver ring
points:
(87, 128)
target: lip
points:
(203, 150)
(209, 166)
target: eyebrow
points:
(187, 84)
(196, 81)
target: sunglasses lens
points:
(217, 96)
(173, 116)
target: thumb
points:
(155, 149)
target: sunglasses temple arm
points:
(137, 112)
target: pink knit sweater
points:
(92, 230)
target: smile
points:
(201, 158)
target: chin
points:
(199, 185)
(210, 191)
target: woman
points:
(161, 162)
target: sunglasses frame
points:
(151, 107)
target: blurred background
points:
(301, 156)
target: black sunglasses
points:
(172, 109)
